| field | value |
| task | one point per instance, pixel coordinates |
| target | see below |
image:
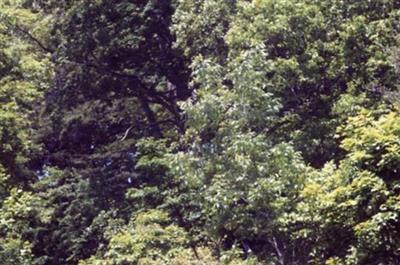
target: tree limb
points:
(26, 33)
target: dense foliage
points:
(192, 132)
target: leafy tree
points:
(151, 239)
(307, 62)
(316, 51)
(24, 74)
(117, 80)
(21, 212)
(209, 22)
(356, 202)
(199, 132)
(235, 183)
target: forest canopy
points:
(199, 132)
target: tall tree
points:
(319, 54)
(25, 71)
(118, 79)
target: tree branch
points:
(152, 96)
(25, 32)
